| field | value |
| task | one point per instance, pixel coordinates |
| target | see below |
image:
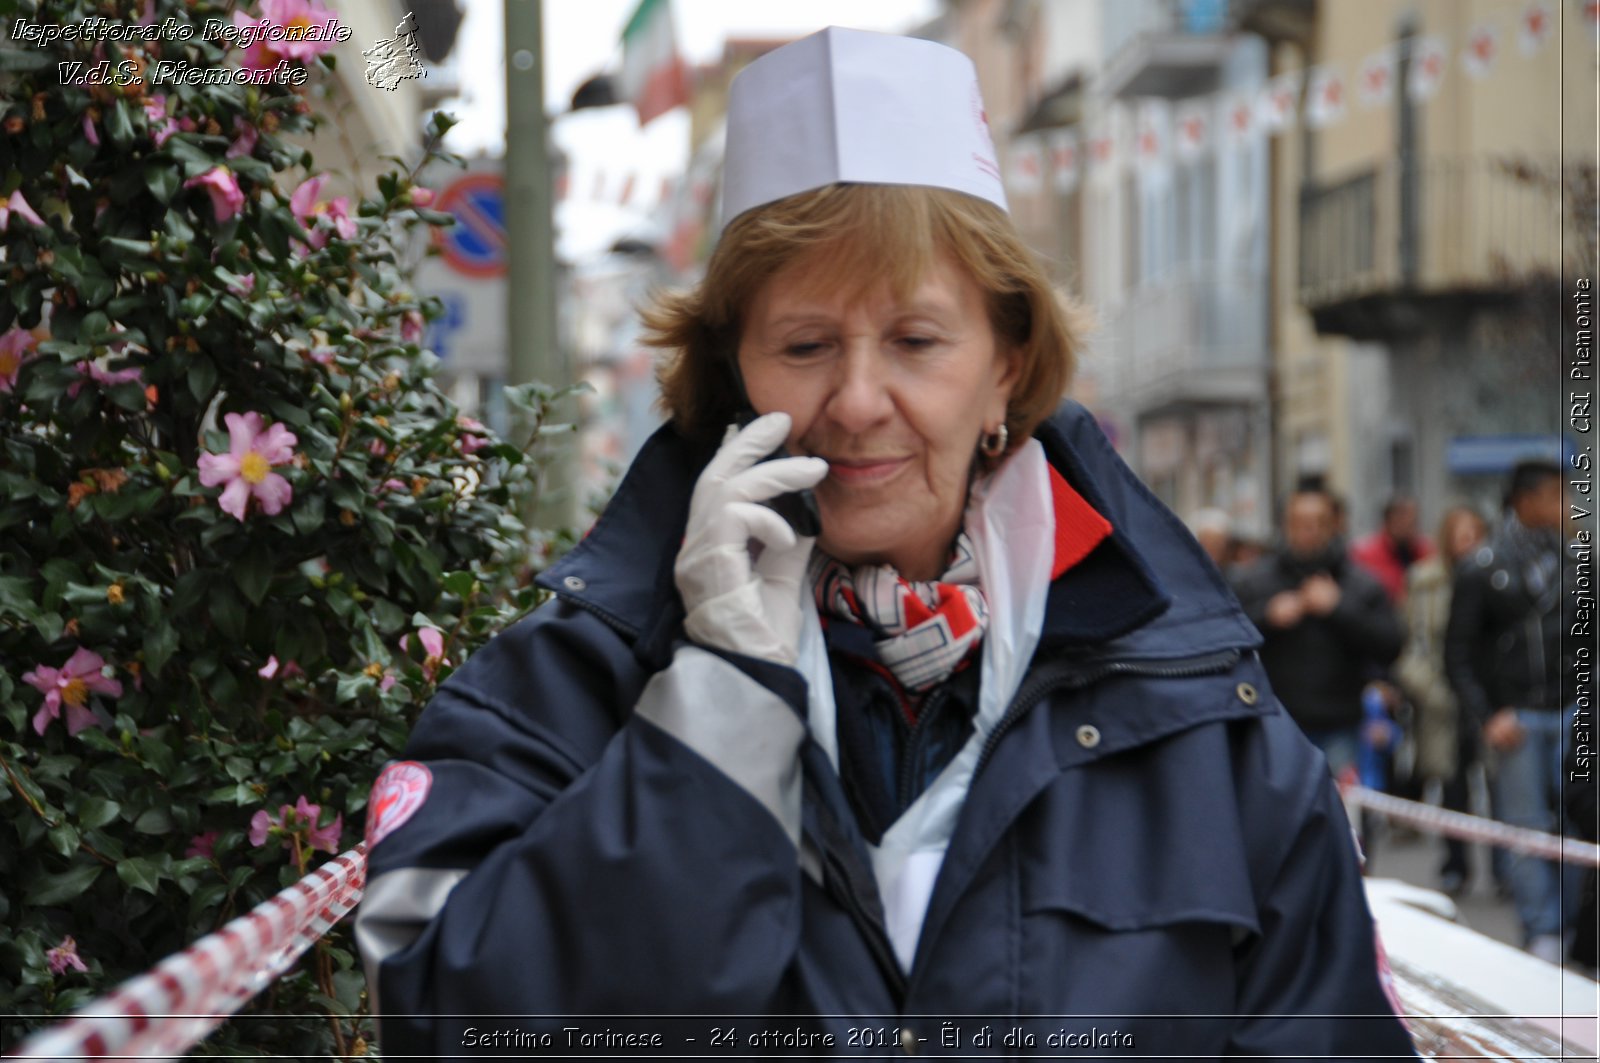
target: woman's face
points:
(1466, 532)
(893, 395)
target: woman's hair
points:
(1447, 527)
(854, 237)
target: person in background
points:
(1503, 658)
(1214, 531)
(988, 739)
(1327, 626)
(1389, 552)
(1446, 750)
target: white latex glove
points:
(741, 566)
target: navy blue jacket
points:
(1152, 860)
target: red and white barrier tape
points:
(169, 1009)
(1475, 828)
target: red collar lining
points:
(1079, 528)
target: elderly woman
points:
(992, 747)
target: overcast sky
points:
(582, 38)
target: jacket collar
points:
(1159, 598)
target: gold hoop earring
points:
(993, 444)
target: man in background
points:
(1503, 657)
(1391, 550)
(1327, 626)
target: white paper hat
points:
(847, 105)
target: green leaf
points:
(139, 873)
(253, 574)
(48, 890)
(162, 181)
(154, 821)
(308, 513)
(160, 643)
(460, 583)
(49, 626)
(96, 811)
(21, 60)
(119, 124)
(64, 838)
(202, 379)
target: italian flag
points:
(654, 78)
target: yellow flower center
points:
(75, 692)
(254, 468)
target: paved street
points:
(1415, 859)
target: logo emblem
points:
(396, 796)
(395, 59)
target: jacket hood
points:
(1146, 591)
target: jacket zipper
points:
(876, 934)
(1073, 677)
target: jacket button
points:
(908, 1040)
(1247, 693)
(1088, 736)
(574, 583)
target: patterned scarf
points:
(923, 629)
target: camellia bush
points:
(243, 532)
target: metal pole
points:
(535, 352)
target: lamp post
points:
(531, 326)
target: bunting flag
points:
(1375, 82)
(1103, 149)
(1064, 160)
(1535, 27)
(1192, 136)
(1325, 97)
(1276, 106)
(1240, 120)
(1483, 46)
(1027, 165)
(654, 77)
(1155, 123)
(627, 190)
(1428, 58)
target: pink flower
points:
(472, 440)
(421, 197)
(377, 448)
(92, 371)
(202, 845)
(14, 347)
(391, 484)
(90, 133)
(432, 640)
(270, 669)
(296, 16)
(310, 212)
(17, 205)
(161, 125)
(247, 467)
(411, 326)
(262, 823)
(243, 286)
(300, 820)
(63, 956)
(245, 142)
(71, 684)
(219, 182)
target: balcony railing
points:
(1170, 48)
(1381, 249)
(1198, 336)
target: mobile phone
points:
(798, 508)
